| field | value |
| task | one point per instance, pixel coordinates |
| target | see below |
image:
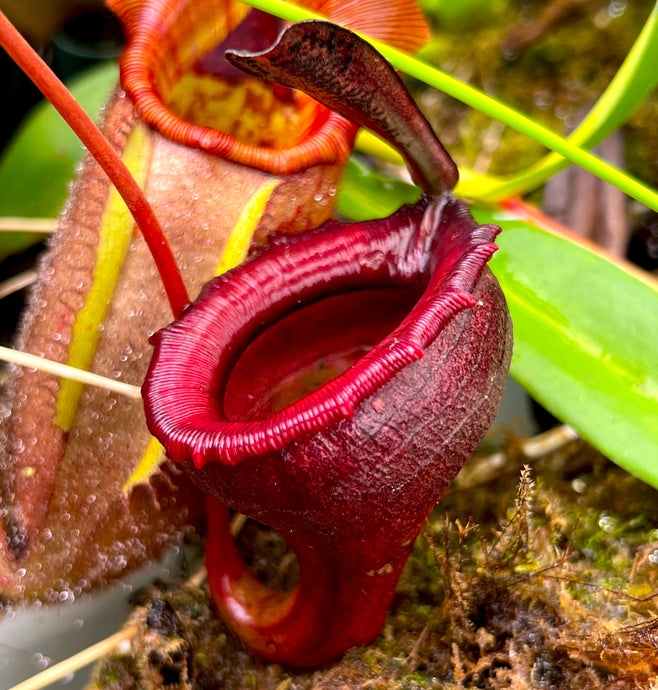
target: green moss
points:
(552, 72)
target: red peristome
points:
(339, 258)
(167, 37)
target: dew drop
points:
(579, 485)
(40, 661)
(607, 523)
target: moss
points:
(547, 581)
(551, 71)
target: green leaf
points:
(364, 195)
(40, 160)
(585, 334)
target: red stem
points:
(59, 96)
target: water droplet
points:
(543, 99)
(579, 485)
(608, 523)
(617, 8)
(40, 661)
(563, 111)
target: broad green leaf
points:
(39, 162)
(364, 195)
(585, 334)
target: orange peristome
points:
(166, 38)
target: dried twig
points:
(16, 283)
(24, 359)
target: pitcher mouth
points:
(174, 70)
(311, 346)
(183, 95)
(433, 247)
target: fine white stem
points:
(549, 441)
(16, 283)
(537, 446)
(41, 226)
(23, 359)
